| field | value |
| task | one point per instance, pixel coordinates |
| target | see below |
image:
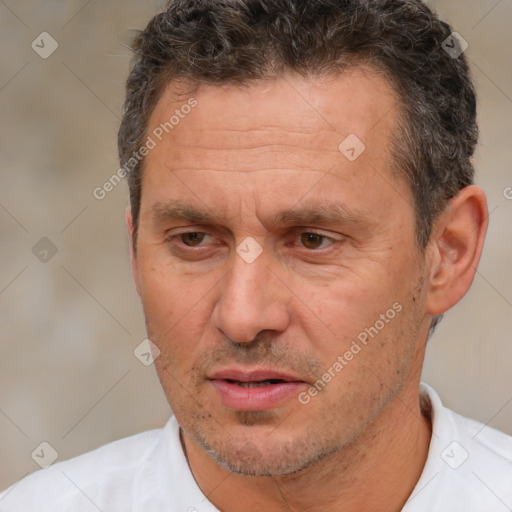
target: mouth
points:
(255, 390)
(255, 384)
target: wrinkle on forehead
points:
(253, 159)
(287, 105)
(267, 132)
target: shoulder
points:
(86, 480)
(478, 443)
(491, 442)
(486, 457)
(469, 464)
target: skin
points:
(242, 155)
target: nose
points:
(252, 299)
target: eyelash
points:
(296, 234)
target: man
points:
(302, 214)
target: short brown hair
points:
(236, 41)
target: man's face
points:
(335, 296)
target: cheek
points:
(347, 305)
(360, 318)
(167, 293)
(367, 358)
(176, 311)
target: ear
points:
(133, 256)
(455, 248)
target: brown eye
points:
(192, 239)
(312, 240)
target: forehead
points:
(311, 112)
(305, 127)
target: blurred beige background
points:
(69, 325)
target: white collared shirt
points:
(468, 469)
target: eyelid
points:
(296, 231)
(332, 242)
(175, 237)
(319, 232)
(174, 232)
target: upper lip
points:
(255, 375)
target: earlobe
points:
(455, 248)
(133, 256)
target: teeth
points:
(256, 384)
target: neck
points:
(376, 472)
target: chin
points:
(263, 458)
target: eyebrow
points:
(320, 213)
(174, 210)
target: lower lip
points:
(257, 398)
